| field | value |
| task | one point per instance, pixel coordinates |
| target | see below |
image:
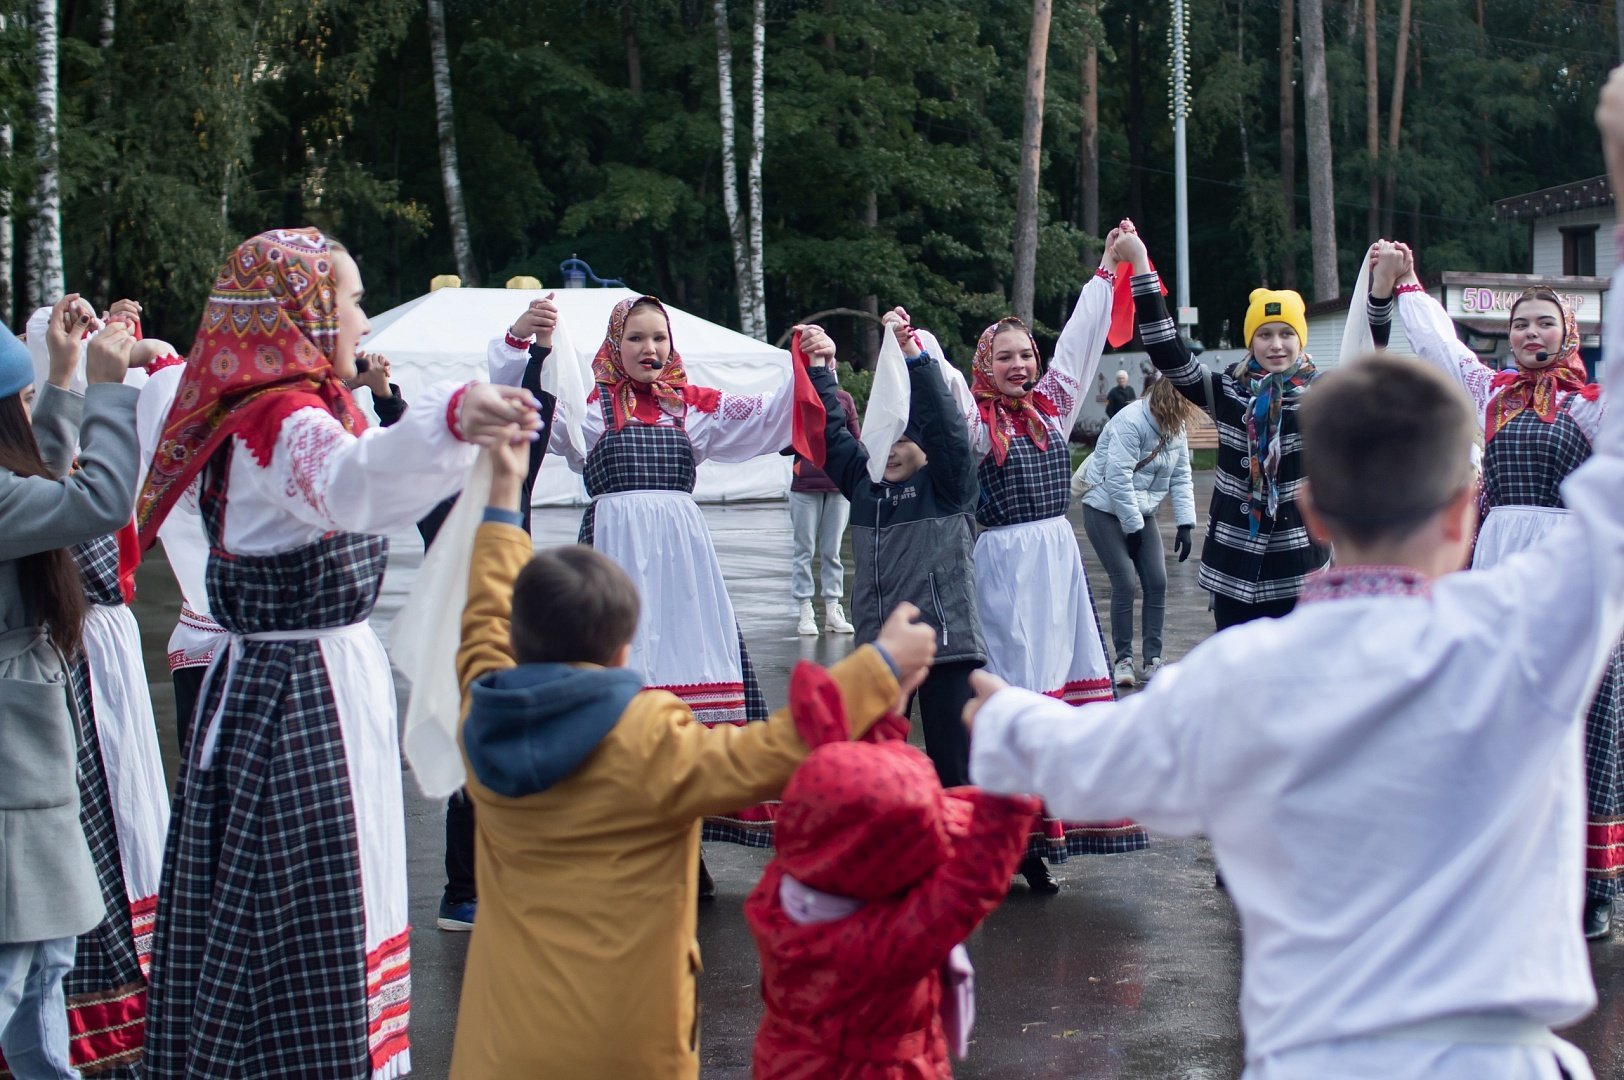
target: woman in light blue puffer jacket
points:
(1142, 457)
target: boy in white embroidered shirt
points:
(1399, 812)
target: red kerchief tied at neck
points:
(1540, 389)
(1007, 417)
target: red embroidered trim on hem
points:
(107, 1029)
(389, 990)
(453, 412)
(179, 660)
(143, 922)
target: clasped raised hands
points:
(1390, 263)
(492, 414)
(900, 325)
(538, 321)
(816, 345)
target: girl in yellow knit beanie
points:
(1258, 550)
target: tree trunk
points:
(45, 275)
(1288, 141)
(758, 139)
(871, 302)
(1088, 152)
(1321, 188)
(1136, 121)
(1373, 140)
(7, 227)
(462, 244)
(104, 39)
(1026, 199)
(634, 58)
(107, 23)
(730, 172)
(1395, 111)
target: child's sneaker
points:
(1123, 674)
(458, 918)
(1152, 666)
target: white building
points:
(1565, 226)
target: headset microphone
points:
(1027, 386)
(1541, 357)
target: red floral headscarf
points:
(628, 398)
(1539, 389)
(263, 351)
(1005, 416)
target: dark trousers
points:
(459, 849)
(942, 697)
(1227, 611)
(188, 685)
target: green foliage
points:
(890, 158)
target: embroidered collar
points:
(1364, 582)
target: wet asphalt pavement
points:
(1131, 972)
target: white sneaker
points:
(1152, 666)
(809, 623)
(1122, 674)
(834, 620)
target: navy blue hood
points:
(529, 726)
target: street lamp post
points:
(1181, 181)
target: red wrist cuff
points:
(1110, 278)
(1414, 286)
(515, 343)
(453, 412)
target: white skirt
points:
(1037, 614)
(1510, 529)
(688, 637)
(130, 756)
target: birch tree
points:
(743, 273)
(1026, 199)
(758, 138)
(45, 275)
(462, 243)
(1321, 189)
(6, 226)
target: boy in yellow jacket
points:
(590, 791)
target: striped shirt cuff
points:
(1379, 311)
(1146, 284)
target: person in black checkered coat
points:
(1539, 418)
(1258, 551)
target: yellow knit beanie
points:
(1276, 305)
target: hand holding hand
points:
(984, 684)
(816, 345)
(107, 358)
(1131, 249)
(1389, 262)
(125, 311)
(491, 414)
(1181, 543)
(376, 376)
(901, 326)
(71, 320)
(538, 321)
(147, 351)
(911, 644)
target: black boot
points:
(1036, 873)
(707, 884)
(1598, 919)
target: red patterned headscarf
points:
(629, 398)
(263, 351)
(1539, 389)
(1007, 417)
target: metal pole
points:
(1181, 182)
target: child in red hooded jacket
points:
(860, 919)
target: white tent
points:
(443, 335)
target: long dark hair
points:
(49, 580)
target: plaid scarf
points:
(263, 351)
(1539, 390)
(629, 398)
(1005, 415)
(1269, 392)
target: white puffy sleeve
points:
(1077, 353)
(743, 426)
(1432, 336)
(381, 482)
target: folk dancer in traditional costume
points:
(56, 889)
(282, 940)
(1258, 552)
(1539, 422)
(646, 429)
(1037, 612)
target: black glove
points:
(1134, 539)
(1181, 543)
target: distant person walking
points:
(1118, 397)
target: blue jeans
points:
(33, 1012)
